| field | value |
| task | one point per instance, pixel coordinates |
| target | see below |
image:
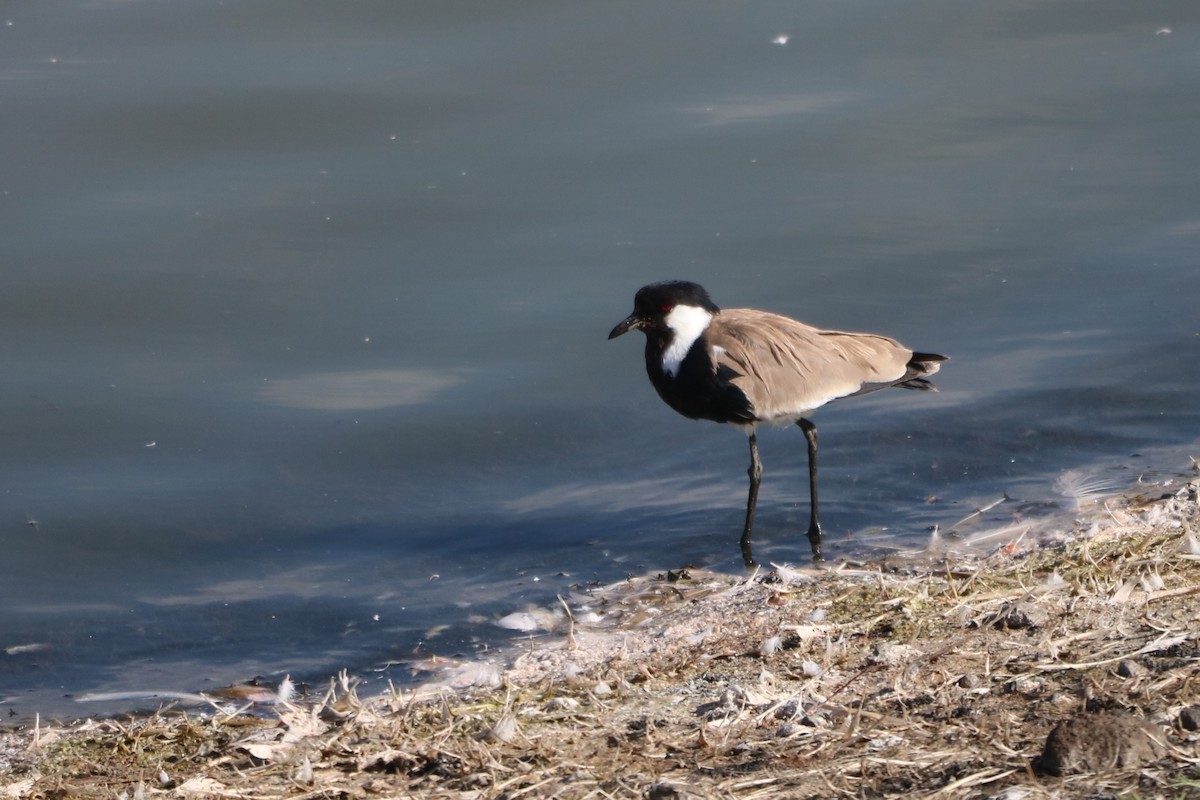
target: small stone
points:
(1189, 718)
(562, 704)
(1098, 743)
(787, 730)
(1130, 669)
(663, 791)
(789, 710)
(1017, 616)
(893, 655)
(1024, 684)
(884, 743)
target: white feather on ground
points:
(1080, 488)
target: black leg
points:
(814, 523)
(755, 473)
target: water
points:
(304, 305)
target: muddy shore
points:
(1055, 658)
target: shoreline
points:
(941, 672)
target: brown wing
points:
(789, 369)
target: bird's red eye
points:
(665, 307)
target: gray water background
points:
(303, 304)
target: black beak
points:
(625, 325)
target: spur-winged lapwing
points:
(746, 367)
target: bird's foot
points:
(814, 538)
(747, 551)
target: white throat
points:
(687, 323)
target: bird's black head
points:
(653, 303)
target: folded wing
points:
(788, 369)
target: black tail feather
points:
(920, 365)
(927, 358)
(919, 384)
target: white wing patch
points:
(688, 323)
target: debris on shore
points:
(1063, 662)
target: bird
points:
(745, 367)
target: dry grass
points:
(938, 676)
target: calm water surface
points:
(304, 305)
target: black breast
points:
(697, 391)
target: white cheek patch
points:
(687, 323)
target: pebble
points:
(1189, 718)
(562, 704)
(1098, 743)
(663, 791)
(1017, 616)
(893, 655)
(1130, 669)
(788, 729)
